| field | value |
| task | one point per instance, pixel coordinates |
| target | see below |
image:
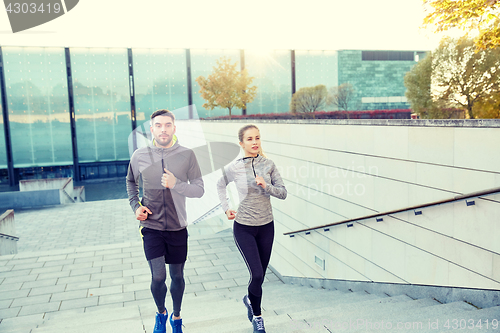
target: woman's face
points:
(251, 142)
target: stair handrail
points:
(9, 236)
(429, 204)
(210, 211)
(2, 217)
(63, 189)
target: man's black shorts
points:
(169, 244)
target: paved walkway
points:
(88, 256)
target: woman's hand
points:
(231, 214)
(260, 181)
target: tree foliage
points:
(341, 96)
(309, 99)
(226, 87)
(454, 76)
(418, 88)
(463, 77)
(479, 16)
(489, 108)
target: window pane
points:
(202, 63)
(3, 151)
(316, 67)
(378, 85)
(102, 103)
(37, 96)
(160, 81)
(273, 78)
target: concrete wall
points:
(43, 184)
(8, 245)
(340, 169)
(67, 193)
(28, 199)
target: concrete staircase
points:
(62, 286)
(289, 308)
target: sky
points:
(233, 24)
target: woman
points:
(256, 179)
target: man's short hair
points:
(163, 112)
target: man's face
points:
(163, 130)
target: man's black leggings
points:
(159, 288)
(255, 244)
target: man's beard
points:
(160, 141)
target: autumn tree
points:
(480, 17)
(453, 76)
(489, 107)
(226, 87)
(309, 99)
(341, 96)
(462, 77)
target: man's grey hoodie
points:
(168, 206)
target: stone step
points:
(236, 319)
(462, 320)
(281, 306)
(335, 310)
(112, 319)
(22, 324)
(361, 312)
(270, 291)
(456, 316)
(132, 325)
(298, 308)
(425, 313)
(234, 323)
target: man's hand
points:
(231, 214)
(142, 213)
(168, 179)
(260, 181)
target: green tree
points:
(418, 88)
(309, 99)
(226, 87)
(480, 17)
(341, 96)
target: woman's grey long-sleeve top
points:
(255, 202)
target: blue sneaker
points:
(160, 323)
(246, 301)
(258, 325)
(176, 324)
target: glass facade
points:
(160, 79)
(316, 67)
(102, 103)
(273, 78)
(378, 84)
(202, 63)
(36, 86)
(37, 95)
(3, 151)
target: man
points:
(169, 173)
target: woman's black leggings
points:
(255, 244)
(159, 288)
